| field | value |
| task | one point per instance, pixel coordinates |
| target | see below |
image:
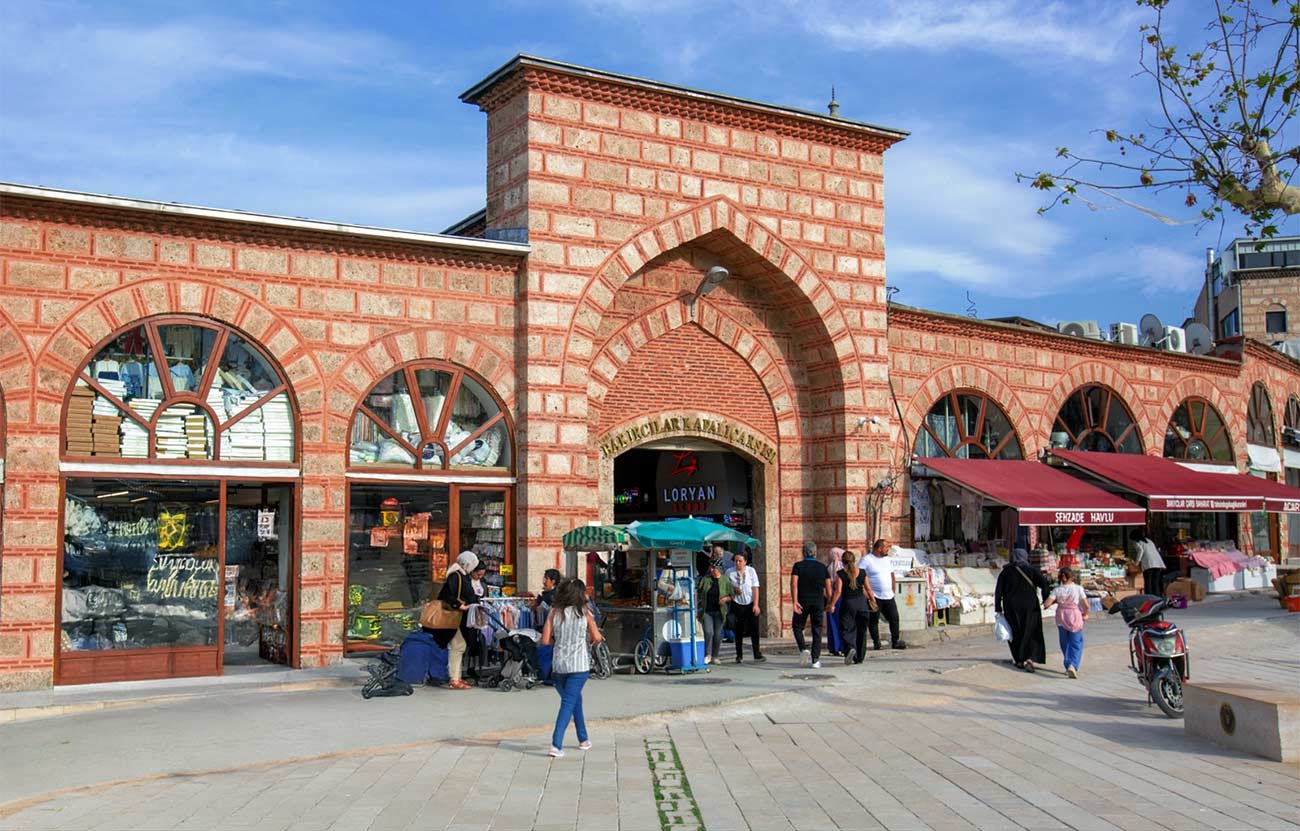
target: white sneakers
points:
(555, 753)
(816, 664)
(1072, 672)
(708, 659)
(585, 745)
(805, 658)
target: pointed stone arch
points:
(16, 362)
(668, 317)
(972, 377)
(717, 214)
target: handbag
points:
(439, 614)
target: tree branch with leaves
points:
(1225, 135)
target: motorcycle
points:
(1157, 651)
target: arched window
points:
(1196, 431)
(429, 462)
(1259, 418)
(406, 421)
(1095, 418)
(967, 425)
(180, 389)
(1291, 435)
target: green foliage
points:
(1223, 106)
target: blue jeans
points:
(569, 685)
(1071, 647)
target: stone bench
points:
(1254, 719)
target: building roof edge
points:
(476, 92)
(227, 215)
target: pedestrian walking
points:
(458, 592)
(713, 593)
(1016, 598)
(745, 606)
(880, 594)
(835, 643)
(1151, 563)
(1071, 611)
(571, 631)
(854, 607)
(810, 590)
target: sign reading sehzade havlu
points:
(733, 434)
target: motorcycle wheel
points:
(366, 692)
(1167, 691)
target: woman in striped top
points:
(572, 630)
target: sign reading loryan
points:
(733, 434)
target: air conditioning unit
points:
(1175, 339)
(1124, 333)
(1080, 329)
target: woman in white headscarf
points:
(458, 591)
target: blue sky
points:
(349, 112)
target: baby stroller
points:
(521, 667)
(383, 681)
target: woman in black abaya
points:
(1017, 598)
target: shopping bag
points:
(1001, 628)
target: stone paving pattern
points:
(976, 748)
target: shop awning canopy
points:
(689, 533)
(1278, 498)
(1041, 494)
(1167, 485)
(597, 538)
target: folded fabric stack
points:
(80, 418)
(171, 440)
(279, 429)
(196, 437)
(245, 440)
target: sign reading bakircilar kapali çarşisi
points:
(732, 434)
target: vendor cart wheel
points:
(506, 685)
(643, 659)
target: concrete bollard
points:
(1254, 719)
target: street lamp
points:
(711, 281)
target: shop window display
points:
(397, 549)
(1196, 432)
(483, 531)
(1094, 418)
(191, 390)
(1291, 419)
(140, 565)
(257, 579)
(1259, 418)
(430, 418)
(967, 425)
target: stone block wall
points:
(335, 312)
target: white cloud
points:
(1008, 28)
(104, 65)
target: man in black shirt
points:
(550, 579)
(810, 589)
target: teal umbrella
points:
(690, 534)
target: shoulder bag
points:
(441, 614)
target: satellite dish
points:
(1153, 331)
(1199, 339)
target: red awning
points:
(1042, 495)
(1278, 498)
(1167, 485)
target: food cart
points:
(642, 581)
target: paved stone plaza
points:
(947, 737)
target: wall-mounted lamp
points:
(711, 281)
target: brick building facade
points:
(585, 341)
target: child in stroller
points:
(521, 667)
